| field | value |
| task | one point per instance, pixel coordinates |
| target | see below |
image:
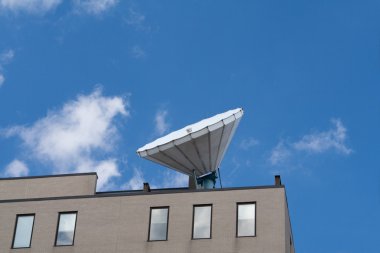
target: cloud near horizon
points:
(16, 168)
(169, 179)
(334, 139)
(70, 139)
(136, 181)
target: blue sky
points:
(84, 84)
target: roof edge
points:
(141, 193)
(56, 175)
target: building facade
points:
(65, 214)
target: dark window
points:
(246, 215)
(158, 225)
(66, 229)
(22, 237)
(202, 221)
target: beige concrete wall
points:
(120, 224)
(52, 186)
(289, 241)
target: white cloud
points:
(30, 6)
(279, 153)
(169, 179)
(136, 19)
(71, 138)
(248, 143)
(41, 7)
(2, 79)
(174, 179)
(5, 58)
(106, 170)
(136, 182)
(332, 139)
(161, 125)
(16, 168)
(94, 6)
(137, 52)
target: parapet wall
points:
(48, 186)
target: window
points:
(66, 229)
(22, 237)
(158, 224)
(202, 221)
(246, 225)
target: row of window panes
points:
(158, 225)
(202, 215)
(24, 228)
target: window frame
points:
(15, 229)
(237, 218)
(150, 222)
(192, 227)
(57, 230)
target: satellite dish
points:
(197, 149)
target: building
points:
(65, 214)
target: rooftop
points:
(83, 185)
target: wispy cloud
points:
(2, 79)
(137, 52)
(136, 182)
(94, 7)
(5, 58)
(16, 168)
(279, 153)
(41, 7)
(70, 139)
(137, 20)
(174, 179)
(160, 120)
(29, 6)
(168, 179)
(248, 143)
(333, 139)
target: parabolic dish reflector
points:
(198, 148)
